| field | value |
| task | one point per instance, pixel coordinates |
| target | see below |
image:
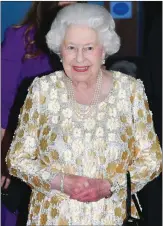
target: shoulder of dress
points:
(131, 85)
(50, 78)
(45, 83)
(125, 81)
(123, 77)
(13, 46)
(128, 79)
(15, 32)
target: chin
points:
(80, 78)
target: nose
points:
(79, 55)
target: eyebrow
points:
(71, 43)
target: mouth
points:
(81, 69)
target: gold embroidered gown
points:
(118, 136)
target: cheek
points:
(66, 62)
(67, 58)
(97, 55)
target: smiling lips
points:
(80, 69)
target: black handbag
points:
(16, 196)
(129, 220)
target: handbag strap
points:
(129, 196)
(128, 200)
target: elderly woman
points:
(80, 130)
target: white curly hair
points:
(92, 15)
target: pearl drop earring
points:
(103, 61)
(61, 60)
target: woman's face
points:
(81, 53)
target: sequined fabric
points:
(116, 137)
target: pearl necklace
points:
(85, 112)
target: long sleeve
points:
(11, 61)
(23, 158)
(146, 156)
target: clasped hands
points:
(86, 189)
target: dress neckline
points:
(113, 73)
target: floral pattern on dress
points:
(50, 138)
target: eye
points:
(89, 48)
(70, 47)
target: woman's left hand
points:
(96, 189)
